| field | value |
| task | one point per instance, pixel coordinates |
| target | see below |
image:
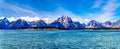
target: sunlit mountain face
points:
(60, 13)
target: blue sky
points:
(79, 10)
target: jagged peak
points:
(5, 18)
(40, 21)
(118, 20)
(20, 20)
(93, 21)
(107, 22)
(64, 18)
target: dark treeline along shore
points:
(53, 28)
(62, 23)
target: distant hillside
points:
(63, 22)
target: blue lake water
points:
(59, 39)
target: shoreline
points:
(52, 28)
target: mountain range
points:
(62, 22)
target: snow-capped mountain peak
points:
(108, 24)
(94, 24)
(61, 22)
(66, 21)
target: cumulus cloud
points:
(2, 17)
(12, 19)
(26, 18)
(48, 20)
(81, 20)
(30, 19)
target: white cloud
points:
(48, 20)
(12, 19)
(111, 6)
(86, 21)
(46, 16)
(97, 4)
(81, 20)
(106, 12)
(50, 17)
(28, 18)
(104, 17)
(2, 17)
(19, 9)
(74, 17)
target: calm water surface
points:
(59, 39)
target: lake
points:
(59, 39)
